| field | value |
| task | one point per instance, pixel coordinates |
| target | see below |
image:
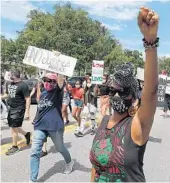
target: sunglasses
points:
(123, 92)
(49, 80)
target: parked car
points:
(31, 83)
(73, 80)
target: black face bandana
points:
(120, 105)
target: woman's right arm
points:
(38, 91)
(93, 172)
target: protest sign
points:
(48, 60)
(97, 72)
(161, 90)
(167, 91)
(7, 76)
(140, 74)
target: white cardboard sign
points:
(7, 76)
(97, 72)
(167, 91)
(140, 74)
(47, 60)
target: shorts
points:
(78, 103)
(16, 117)
(66, 101)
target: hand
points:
(148, 24)
(27, 116)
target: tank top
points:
(114, 155)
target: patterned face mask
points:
(120, 105)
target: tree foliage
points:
(164, 64)
(72, 32)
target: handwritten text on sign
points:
(161, 91)
(97, 72)
(47, 60)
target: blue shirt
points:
(49, 116)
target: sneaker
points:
(69, 167)
(77, 130)
(28, 138)
(32, 181)
(43, 153)
(12, 150)
(79, 134)
(67, 122)
(93, 131)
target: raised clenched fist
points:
(148, 24)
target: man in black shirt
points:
(18, 96)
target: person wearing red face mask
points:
(78, 96)
(48, 122)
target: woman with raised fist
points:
(119, 144)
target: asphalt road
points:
(15, 168)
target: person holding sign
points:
(48, 122)
(119, 145)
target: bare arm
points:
(93, 171)
(28, 101)
(60, 81)
(4, 96)
(32, 92)
(143, 119)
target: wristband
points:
(148, 45)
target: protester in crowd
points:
(18, 96)
(66, 102)
(3, 102)
(87, 76)
(78, 96)
(90, 101)
(104, 97)
(48, 122)
(119, 145)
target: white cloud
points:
(113, 9)
(132, 44)
(16, 10)
(165, 1)
(164, 55)
(112, 27)
(9, 35)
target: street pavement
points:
(15, 168)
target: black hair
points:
(78, 80)
(16, 73)
(2, 80)
(89, 74)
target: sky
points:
(120, 17)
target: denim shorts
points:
(66, 101)
(78, 103)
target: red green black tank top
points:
(114, 155)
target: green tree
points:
(135, 57)
(72, 32)
(164, 64)
(69, 31)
